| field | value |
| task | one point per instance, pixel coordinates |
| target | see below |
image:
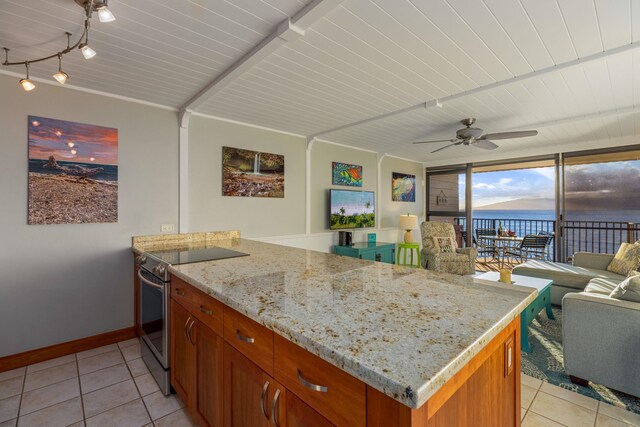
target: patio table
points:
(501, 243)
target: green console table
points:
(378, 251)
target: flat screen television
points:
(352, 209)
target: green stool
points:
(408, 253)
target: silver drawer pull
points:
(265, 388)
(205, 311)
(310, 385)
(275, 418)
(244, 338)
(180, 292)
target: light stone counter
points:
(403, 331)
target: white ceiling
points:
(366, 58)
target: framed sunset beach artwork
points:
(73, 172)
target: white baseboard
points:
(323, 242)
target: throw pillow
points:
(628, 290)
(627, 259)
(444, 244)
(633, 273)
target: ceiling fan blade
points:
(446, 146)
(509, 135)
(486, 144)
(437, 140)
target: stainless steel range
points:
(155, 291)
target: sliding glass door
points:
(601, 203)
(446, 199)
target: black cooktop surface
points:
(196, 255)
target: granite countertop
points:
(401, 330)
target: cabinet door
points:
(182, 353)
(299, 414)
(207, 404)
(248, 391)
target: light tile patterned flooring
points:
(111, 386)
(547, 405)
(106, 386)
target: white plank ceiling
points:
(363, 59)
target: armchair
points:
(461, 261)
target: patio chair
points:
(550, 235)
(532, 246)
(482, 245)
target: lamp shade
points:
(408, 222)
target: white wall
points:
(63, 282)
(254, 217)
(322, 156)
(389, 210)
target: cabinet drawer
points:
(250, 338)
(202, 306)
(332, 392)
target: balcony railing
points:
(579, 236)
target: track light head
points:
(87, 52)
(105, 15)
(61, 77)
(27, 84)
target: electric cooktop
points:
(196, 255)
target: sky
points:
(501, 186)
(72, 142)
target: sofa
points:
(461, 261)
(568, 278)
(600, 334)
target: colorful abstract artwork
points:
(73, 172)
(248, 173)
(345, 174)
(403, 187)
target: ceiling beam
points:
(442, 101)
(288, 30)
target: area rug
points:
(546, 362)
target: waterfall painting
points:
(248, 173)
(73, 172)
(403, 187)
(345, 174)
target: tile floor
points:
(547, 405)
(111, 386)
(106, 386)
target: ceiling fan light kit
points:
(89, 6)
(477, 136)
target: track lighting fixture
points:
(60, 76)
(89, 6)
(27, 84)
(104, 14)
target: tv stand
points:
(374, 251)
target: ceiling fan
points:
(477, 137)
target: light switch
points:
(167, 228)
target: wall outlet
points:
(167, 228)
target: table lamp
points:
(408, 223)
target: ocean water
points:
(613, 216)
(109, 172)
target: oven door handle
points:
(149, 282)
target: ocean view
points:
(613, 216)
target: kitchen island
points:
(304, 337)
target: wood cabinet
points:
(182, 353)
(231, 371)
(196, 366)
